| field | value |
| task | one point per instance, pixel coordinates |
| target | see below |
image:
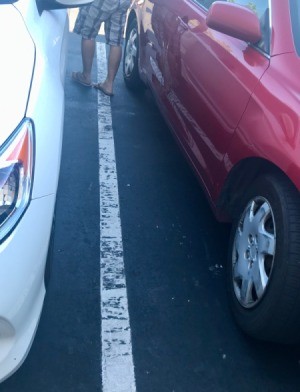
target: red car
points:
(226, 76)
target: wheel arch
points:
(130, 17)
(237, 182)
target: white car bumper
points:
(22, 291)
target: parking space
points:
(174, 252)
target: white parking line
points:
(117, 361)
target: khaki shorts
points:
(111, 12)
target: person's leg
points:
(114, 60)
(87, 54)
(114, 28)
(87, 25)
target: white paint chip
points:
(117, 361)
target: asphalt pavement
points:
(183, 336)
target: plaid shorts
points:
(111, 12)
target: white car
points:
(33, 44)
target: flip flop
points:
(78, 78)
(100, 87)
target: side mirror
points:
(234, 20)
(44, 5)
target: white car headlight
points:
(16, 176)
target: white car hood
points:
(16, 68)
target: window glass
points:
(205, 3)
(295, 17)
(261, 8)
(258, 6)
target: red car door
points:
(209, 78)
(156, 29)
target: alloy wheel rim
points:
(131, 52)
(253, 252)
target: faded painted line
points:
(117, 361)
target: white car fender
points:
(46, 102)
(16, 69)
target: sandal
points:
(79, 78)
(99, 86)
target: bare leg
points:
(114, 60)
(87, 53)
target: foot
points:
(103, 88)
(79, 77)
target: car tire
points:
(263, 273)
(131, 58)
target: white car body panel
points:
(23, 301)
(32, 71)
(16, 69)
(51, 42)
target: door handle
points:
(183, 21)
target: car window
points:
(261, 8)
(205, 3)
(295, 17)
